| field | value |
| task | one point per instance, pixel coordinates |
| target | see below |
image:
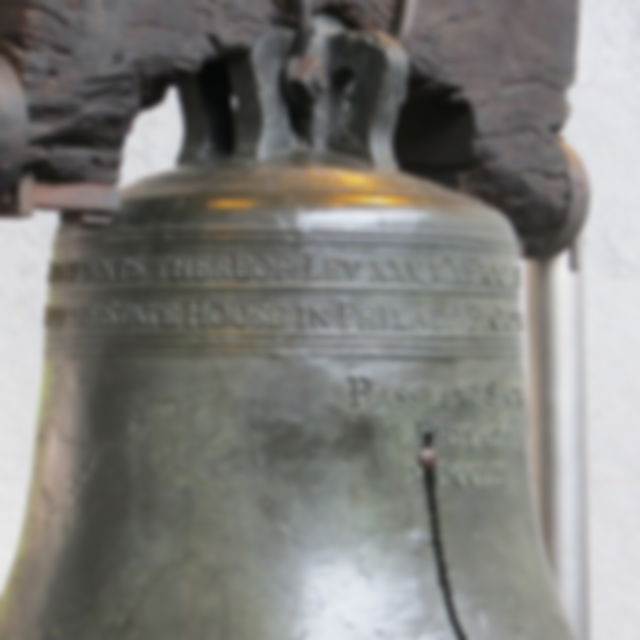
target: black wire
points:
(430, 476)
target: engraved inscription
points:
(239, 265)
(479, 452)
(293, 314)
(478, 424)
(221, 292)
(367, 394)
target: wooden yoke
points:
(486, 107)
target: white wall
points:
(605, 128)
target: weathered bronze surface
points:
(284, 402)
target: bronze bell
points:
(284, 394)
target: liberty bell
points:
(284, 394)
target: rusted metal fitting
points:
(93, 199)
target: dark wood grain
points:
(486, 107)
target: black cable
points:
(428, 460)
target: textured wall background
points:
(605, 127)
